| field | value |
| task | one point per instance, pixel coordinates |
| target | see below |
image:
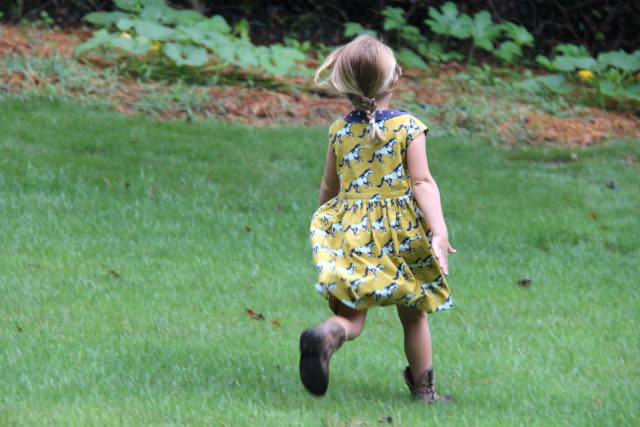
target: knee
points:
(411, 316)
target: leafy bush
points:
(480, 29)
(610, 75)
(414, 49)
(153, 38)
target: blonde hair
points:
(364, 70)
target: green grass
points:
(130, 249)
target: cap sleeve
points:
(414, 128)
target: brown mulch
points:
(309, 106)
(592, 127)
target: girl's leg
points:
(351, 320)
(318, 344)
(417, 340)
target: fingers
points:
(442, 260)
(451, 250)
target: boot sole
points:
(314, 376)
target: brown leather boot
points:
(317, 345)
(424, 390)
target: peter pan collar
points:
(381, 115)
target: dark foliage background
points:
(600, 24)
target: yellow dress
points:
(371, 243)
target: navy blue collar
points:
(361, 116)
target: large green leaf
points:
(518, 34)
(355, 29)
(187, 54)
(190, 34)
(633, 92)
(544, 61)
(216, 24)
(128, 5)
(188, 17)
(483, 30)
(125, 24)
(288, 53)
(410, 59)
(555, 83)
(568, 49)
(281, 60)
(100, 38)
(394, 18)
(137, 46)
(154, 31)
(508, 51)
(620, 59)
(572, 63)
(105, 19)
(609, 88)
(448, 21)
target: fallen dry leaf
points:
(254, 315)
(276, 322)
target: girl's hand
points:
(442, 249)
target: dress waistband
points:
(375, 197)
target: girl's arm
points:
(330, 185)
(428, 196)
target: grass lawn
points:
(130, 250)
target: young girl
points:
(379, 237)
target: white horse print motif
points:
(319, 231)
(396, 175)
(386, 292)
(405, 245)
(325, 217)
(345, 131)
(410, 126)
(334, 252)
(361, 181)
(445, 305)
(375, 198)
(336, 227)
(378, 224)
(387, 248)
(349, 270)
(320, 287)
(354, 285)
(321, 266)
(356, 205)
(366, 249)
(431, 286)
(402, 271)
(374, 269)
(359, 226)
(395, 224)
(385, 150)
(379, 124)
(422, 263)
(352, 156)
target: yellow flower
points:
(155, 46)
(585, 74)
(125, 35)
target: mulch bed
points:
(314, 106)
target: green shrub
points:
(154, 39)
